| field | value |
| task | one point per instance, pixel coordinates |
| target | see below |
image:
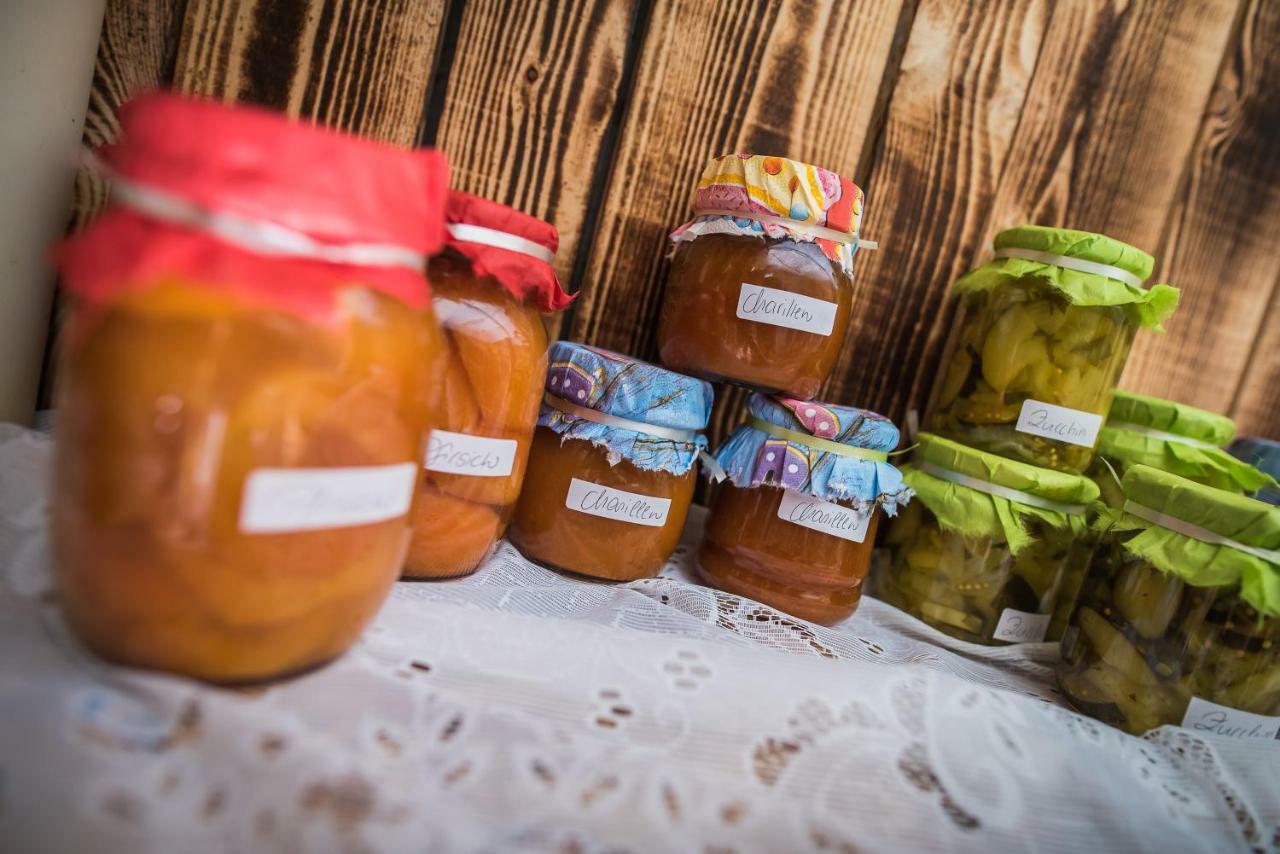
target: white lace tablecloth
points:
(521, 710)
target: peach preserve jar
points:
(245, 382)
(794, 523)
(761, 283)
(492, 286)
(611, 473)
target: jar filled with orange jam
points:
(491, 286)
(245, 381)
(761, 284)
(611, 473)
(794, 522)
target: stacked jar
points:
(1041, 337)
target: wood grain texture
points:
(1256, 408)
(531, 92)
(1222, 243)
(360, 65)
(950, 125)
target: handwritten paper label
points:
(477, 456)
(617, 504)
(1021, 627)
(1057, 422)
(824, 516)
(783, 308)
(280, 500)
(1204, 716)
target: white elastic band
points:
(466, 233)
(264, 238)
(802, 227)
(999, 491)
(1195, 532)
(1130, 427)
(669, 433)
(1079, 264)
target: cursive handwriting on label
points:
(1058, 422)
(283, 500)
(477, 456)
(824, 516)
(1204, 716)
(617, 504)
(1021, 627)
(785, 309)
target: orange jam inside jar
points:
(795, 522)
(491, 286)
(242, 399)
(610, 476)
(761, 284)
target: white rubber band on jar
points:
(802, 227)
(995, 489)
(1195, 532)
(467, 233)
(1080, 265)
(1130, 427)
(671, 434)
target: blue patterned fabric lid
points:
(654, 417)
(759, 454)
(1264, 455)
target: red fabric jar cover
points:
(525, 276)
(268, 173)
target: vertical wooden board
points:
(531, 92)
(1256, 408)
(1222, 242)
(360, 65)
(790, 77)
(950, 124)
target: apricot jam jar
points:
(611, 473)
(491, 286)
(245, 384)
(794, 522)
(761, 283)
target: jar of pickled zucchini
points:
(991, 551)
(804, 486)
(611, 471)
(1040, 340)
(1179, 618)
(1172, 437)
(1263, 455)
(492, 286)
(245, 380)
(761, 284)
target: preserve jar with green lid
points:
(991, 550)
(1179, 616)
(1172, 437)
(1040, 339)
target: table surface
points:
(518, 709)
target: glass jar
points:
(1180, 624)
(992, 550)
(761, 285)
(491, 286)
(241, 409)
(794, 524)
(1040, 339)
(1172, 437)
(610, 475)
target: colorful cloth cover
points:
(1264, 455)
(627, 388)
(776, 187)
(752, 457)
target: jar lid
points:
(512, 247)
(1237, 517)
(1130, 411)
(1082, 245)
(971, 468)
(1264, 455)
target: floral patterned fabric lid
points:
(751, 195)
(836, 453)
(634, 411)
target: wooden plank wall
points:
(1155, 121)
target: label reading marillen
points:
(477, 456)
(1204, 716)
(825, 516)
(281, 500)
(1021, 627)
(617, 504)
(783, 308)
(1058, 422)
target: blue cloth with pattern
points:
(1264, 455)
(627, 388)
(752, 457)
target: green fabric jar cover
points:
(975, 513)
